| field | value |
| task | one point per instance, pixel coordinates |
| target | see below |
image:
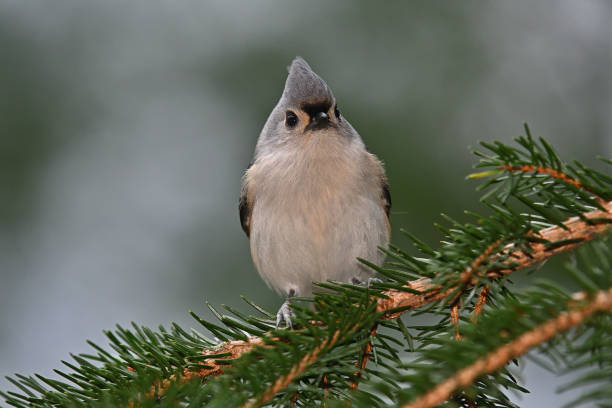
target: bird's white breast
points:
(316, 208)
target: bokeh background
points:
(125, 128)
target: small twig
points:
(325, 390)
(480, 304)
(294, 398)
(454, 317)
(601, 301)
(554, 174)
(466, 279)
(469, 272)
(361, 365)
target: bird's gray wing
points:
(245, 205)
(385, 193)
(386, 197)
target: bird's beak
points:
(319, 120)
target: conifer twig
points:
(361, 365)
(466, 277)
(325, 390)
(469, 272)
(480, 304)
(601, 301)
(575, 232)
(282, 382)
(554, 174)
(454, 317)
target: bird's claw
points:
(373, 280)
(284, 315)
(368, 283)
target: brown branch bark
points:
(235, 348)
(500, 357)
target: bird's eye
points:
(291, 119)
(336, 112)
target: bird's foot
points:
(368, 283)
(285, 314)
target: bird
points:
(314, 199)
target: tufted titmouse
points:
(313, 199)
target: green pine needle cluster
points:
(527, 188)
(438, 355)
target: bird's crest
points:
(304, 86)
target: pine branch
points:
(423, 291)
(573, 232)
(440, 357)
(550, 241)
(498, 358)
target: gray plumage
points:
(314, 199)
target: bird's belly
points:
(298, 240)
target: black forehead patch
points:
(313, 108)
(304, 86)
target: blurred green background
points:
(126, 126)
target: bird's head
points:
(308, 103)
(306, 108)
